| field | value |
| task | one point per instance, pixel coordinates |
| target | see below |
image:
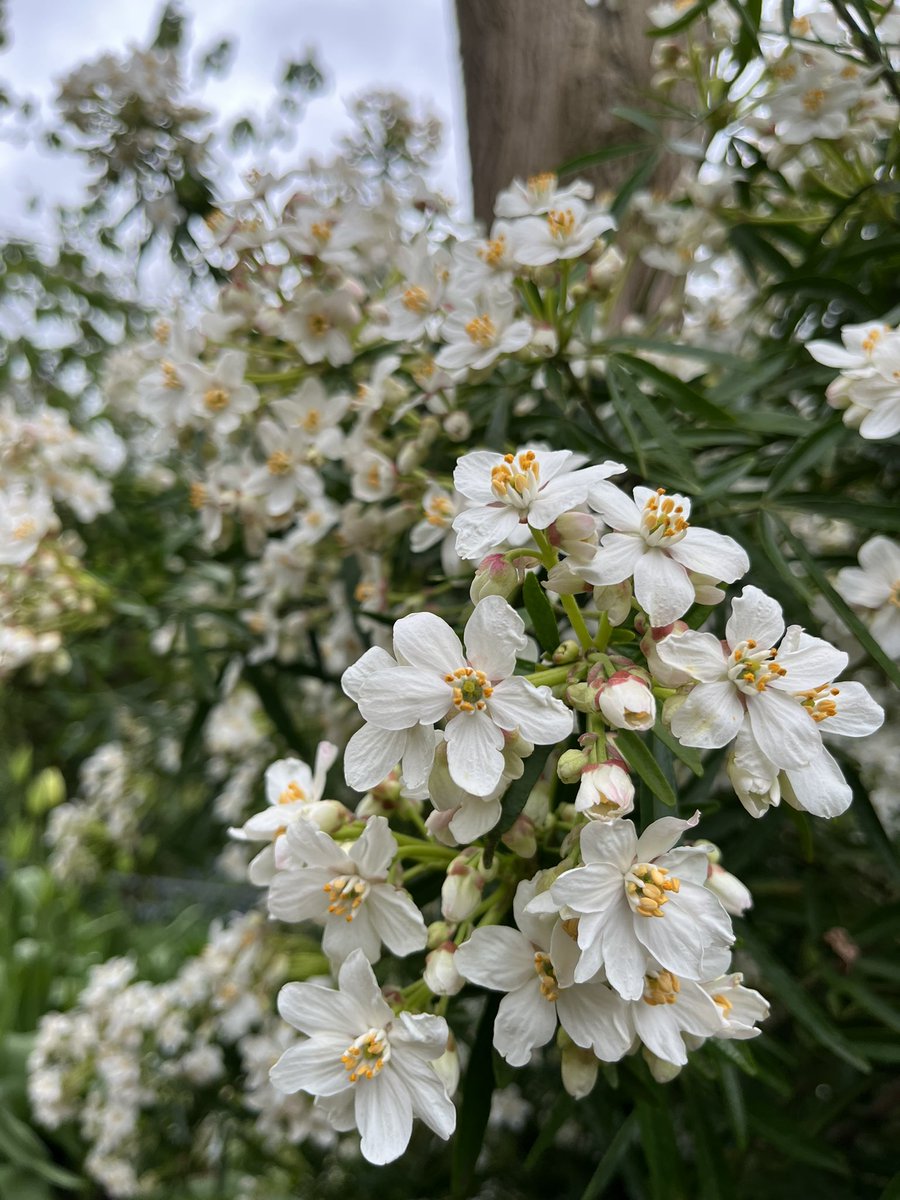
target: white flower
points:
(868, 384)
(316, 415)
(369, 1068)
(654, 544)
(479, 330)
(605, 791)
(875, 585)
(525, 963)
(470, 816)
(292, 791)
(732, 894)
(783, 694)
(319, 324)
(218, 394)
(374, 751)
(626, 701)
(561, 233)
(740, 1007)
(639, 903)
(530, 486)
(287, 474)
(477, 692)
(538, 194)
(669, 1007)
(347, 891)
(24, 519)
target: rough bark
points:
(541, 78)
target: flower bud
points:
(615, 600)
(606, 791)
(438, 825)
(440, 971)
(494, 576)
(582, 696)
(457, 426)
(755, 790)
(666, 675)
(661, 1070)
(566, 652)
(438, 933)
(733, 895)
(447, 1066)
(578, 1067)
(328, 815)
(571, 764)
(520, 837)
(626, 701)
(461, 891)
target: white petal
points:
(591, 889)
(429, 1098)
(474, 752)
(857, 713)
(783, 728)
(371, 755)
(397, 920)
(535, 711)
(418, 756)
(374, 659)
(819, 788)
(496, 957)
(881, 556)
(711, 554)
(420, 1036)
(298, 895)
(342, 938)
(754, 615)
(472, 475)
(662, 587)
(615, 560)
(313, 1009)
(658, 1029)
(710, 717)
(661, 836)
(357, 980)
(425, 641)
(859, 587)
(809, 662)
(475, 817)
(594, 1015)
(404, 696)
(699, 654)
(494, 637)
(624, 958)
(284, 772)
(374, 850)
(525, 1019)
(480, 530)
(617, 510)
(384, 1116)
(314, 1067)
(609, 842)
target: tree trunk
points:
(541, 77)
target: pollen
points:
(215, 399)
(366, 1055)
(543, 184)
(647, 886)
(661, 988)
(724, 1003)
(469, 689)
(546, 974)
(439, 511)
(292, 793)
(345, 895)
(279, 462)
(819, 702)
(312, 422)
(814, 100)
(321, 231)
(493, 252)
(872, 338)
(561, 222)
(171, 378)
(663, 519)
(519, 474)
(482, 330)
(198, 495)
(415, 299)
(318, 324)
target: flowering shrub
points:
(410, 562)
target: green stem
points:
(549, 559)
(601, 641)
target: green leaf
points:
(543, 618)
(688, 755)
(575, 165)
(885, 518)
(515, 798)
(797, 1001)
(640, 758)
(656, 425)
(611, 1160)
(807, 453)
(684, 397)
(478, 1088)
(793, 1144)
(843, 610)
(550, 1126)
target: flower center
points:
(661, 988)
(215, 399)
(662, 520)
(24, 529)
(279, 462)
(542, 185)
(470, 689)
(321, 231)
(872, 338)
(318, 324)
(439, 511)
(516, 480)
(724, 1003)
(198, 495)
(546, 974)
(894, 595)
(646, 886)
(345, 894)
(561, 222)
(813, 100)
(292, 793)
(482, 330)
(312, 421)
(492, 251)
(415, 299)
(819, 702)
(366, 1055)
(751, 670)
(171, 378)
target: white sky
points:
(405, 45)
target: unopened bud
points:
(438, 933)
(661, 1070)
(582, 696)
(606, 791)
(520, 837)
(447, 1066)
(615, 600)
(566, 652)
(626, 701)
(666, 675)
(571, 764)
(440, 971)
(494, 576)
(578, 1067)
(329, 815)
(733, 895)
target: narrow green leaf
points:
(842, 609)
(550, 1126)
(640, 758)
(885, 518)
(543, 618)
(478, 1088)
(611, 1160)
(516, 795)
(791, 1142)
(807, 453)
(688, 755)
(655, 423)
(584, 161)
(868, 820)
(734, 1102)
(682, 395)
(798, 1002)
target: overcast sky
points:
(406, 45)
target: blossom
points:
(867, 387)
(218, 394)
(316, 415)
(346, 890)
(783, 693)
(530, 486)
(538, 194)
(654, 543)
(477, 692)
(639, 902)
(875, 586)
(368, 1068)
(319, 325)
(605, 791)
(292, 791)
(526, 963)
(670, 1007)
(480, 329)
(25, 516)
(561, 233)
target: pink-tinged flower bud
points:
(440, 971)
(572, 526)
(606, 791)
(571, 764)
(667, 676)
(438, 825)
(626, 701)
(494, 576)
(447, 1066)
(733, 895)
(457, 426)
(605, 269)
(520, 837)
(578, 1067)
(461, 890)
(615, 600)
